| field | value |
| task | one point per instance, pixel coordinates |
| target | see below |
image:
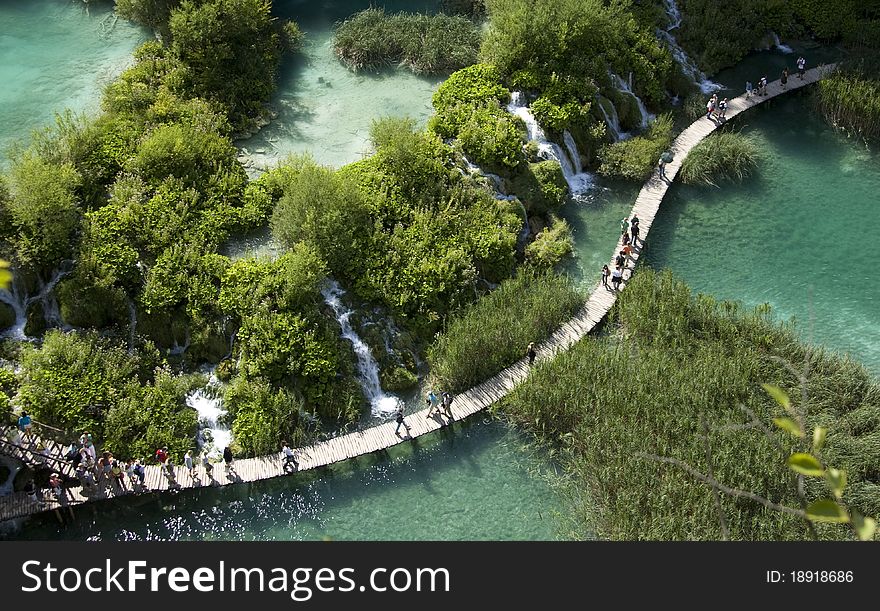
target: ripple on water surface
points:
(482, 482)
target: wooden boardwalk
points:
(474, 400)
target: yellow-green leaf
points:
(789, 425)
(778, 395)
(836, 479)
(826, 510)
(864, 527)
(806, 464)
(819, 434)
(5, 275)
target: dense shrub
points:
(494, 332)
(264, 416)
(636, 158)
(551, 245)
(426, 44)
(723, 156)
(643, 388)
(540, 186)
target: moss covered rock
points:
(398, 379)
(35, 320)
(540, 186)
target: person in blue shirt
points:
(24, 424)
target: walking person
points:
(784, 78)
(118, 475)
(289, 458)
(431, 402)
(801, 66)
(627, 251)
(170, 474)
(748, 89)
(605, 274)
(228, 458)
(634, 231)
(620, 260)
(762, 85)
(710, 107)
(624, 226)
(447, 403)
(400, 410)
(162, 456)
(616, 277)
(722, 109)
(531, 353)
(661, 167)
(188, 463)
(208, 466)
(25, 423)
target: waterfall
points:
(578, 181)
(19, 303)
(626, 87)
(381, 404)
(687, 64)
(208, 403)
(784, 48)
(612, 120)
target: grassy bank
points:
(850, 100)
(672, 357)
(494, 332)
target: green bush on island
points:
(722, 157)
(551, 245)
(263, 416)
(426, 44)
(635, 158)
(540, 186)
(849, 99)
(670, 358)
(494, 332)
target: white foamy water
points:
(208, 403)
(579, 182)
(688, 66)
(382, 404)
(778, 44)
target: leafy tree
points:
(231, 50)
(43, 211)
(264, 416)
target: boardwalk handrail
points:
(478, 398)
(11, 449)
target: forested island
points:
(448, 241)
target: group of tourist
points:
(441, 404)
(761, 89)
(629, 237)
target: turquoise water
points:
(325, 109)
(56, 54)
(793, 236)
(480, 482)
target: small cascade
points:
(612, 120)
(19, 302)
(626, 87)
(213, 436)
(683, 59)
(578, 181)
(778, 44)
(381, 404)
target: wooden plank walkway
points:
(470, 402)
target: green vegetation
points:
(641, 390)
(551, 245)
(494, 332)
(426, 44)
(849, 99)
(636, 158)
(723, 156)
(131, 404)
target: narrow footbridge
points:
(465, 404)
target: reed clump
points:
(495, 331)
(849, 99)
(425, 44)
(670, 358)
(722, 157)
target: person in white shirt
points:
(289, 457)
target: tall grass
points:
(495, 331)
(723, 156)
(850, 100)
(673, 357)
(426, 44)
